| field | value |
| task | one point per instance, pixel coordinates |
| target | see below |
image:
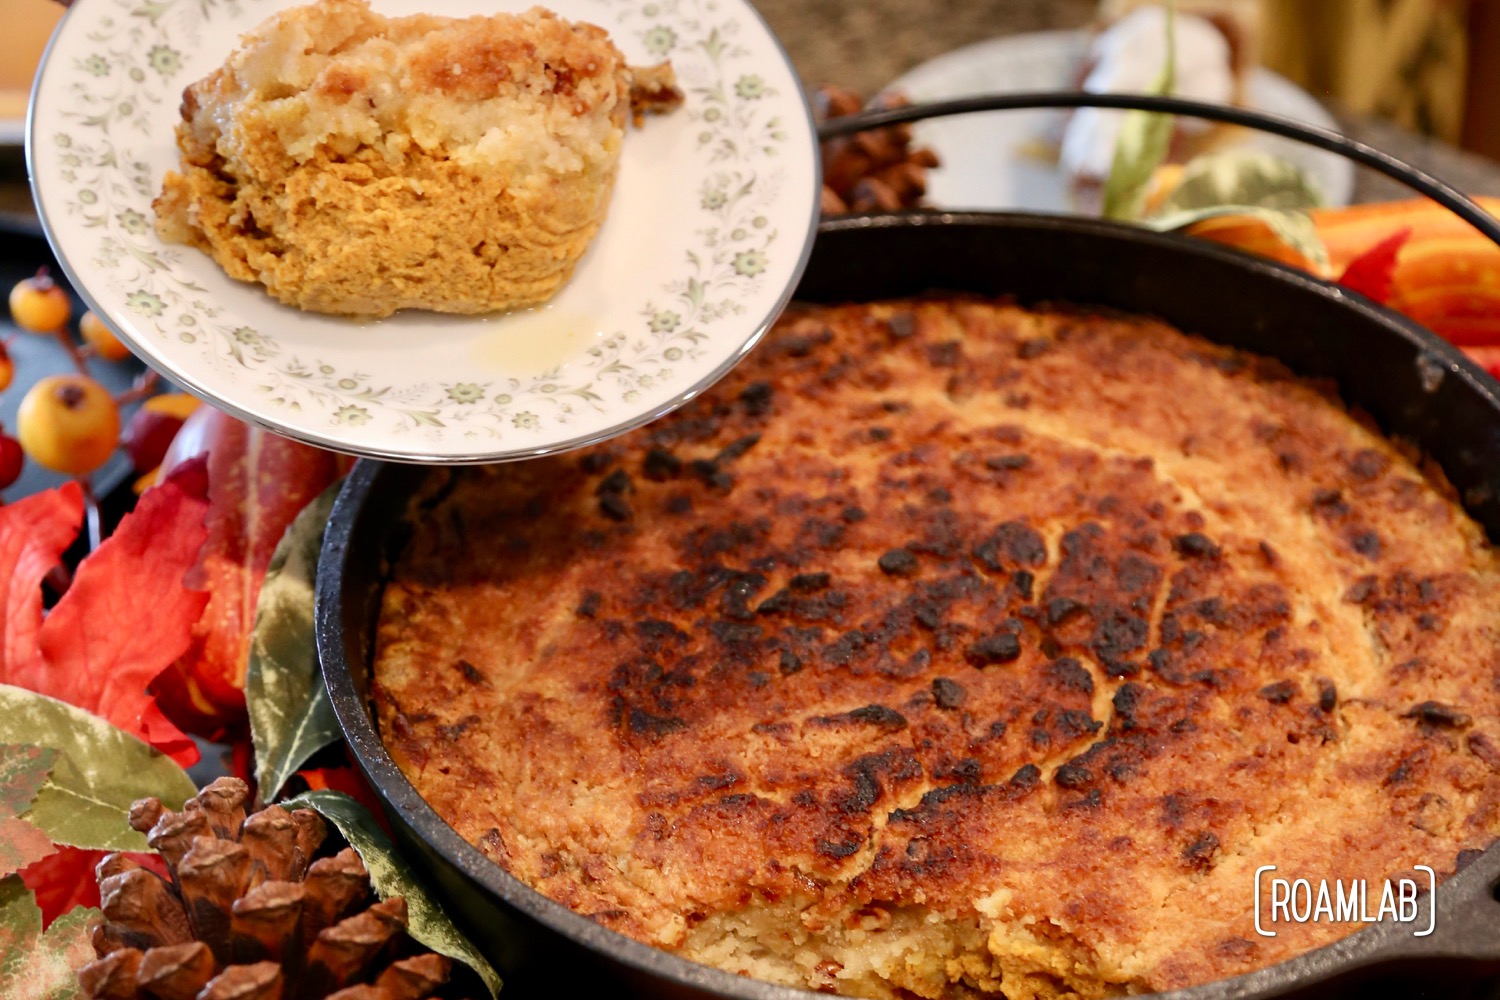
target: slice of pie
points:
(359, 164)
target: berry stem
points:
(66, 340)
(146, 384)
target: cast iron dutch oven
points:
(1416, 386)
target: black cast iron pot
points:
(1416, 387)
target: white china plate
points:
(988, 159)
(708, 231)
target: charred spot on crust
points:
(987, 554)
(800, 345)
(655, 631)
(1073, 724)
(967, 771)
(1360, 590)
(1033, 348)
(898, 562)
(660, 465)
(1367, 544)
(644, 723)
(1280, 692)
(1070, 675)
(1027, 776)
(790, 662)
(589, 606)
(1023, 580)
(756, 398)
(902, 325)
(735, 602)
(1367, 465)
(1330, 503)
(458, 728)
(617, 481)
(614, 506)
(841, 849)
(1200, 853)
(1485, 749)
(878, 715)
(1406, 767)
(1195, 545)
(1060, 609)
(846, 647)
(1125, 702)
(1437, 715)
(595, 462)
(1073, 776)
(471, 673)
(736, 448)
(1000, 647)
(948, 694)
(707, 470)
(944, 355)
(1022, 543)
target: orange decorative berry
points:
(101, 338)
(173, 404)
(38, 304)
(69, 424)
(7, 368)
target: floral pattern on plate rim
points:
(134, 69)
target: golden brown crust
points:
(948, 646)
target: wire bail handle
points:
(1352, 149)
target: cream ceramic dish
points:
(710, 224)
(990, 161)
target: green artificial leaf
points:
(99, 771)
(23, 770)
(1242, 177)
(37, 964)
(391, 876)
(20, 924)
(1293, 228)
(290, 715)
(1145, 137)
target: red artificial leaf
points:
(1373, 272)
(66, 879)
(127, 616)
(34, 533)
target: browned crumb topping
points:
(947, 647)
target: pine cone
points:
(875, 171)
(248, 914)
